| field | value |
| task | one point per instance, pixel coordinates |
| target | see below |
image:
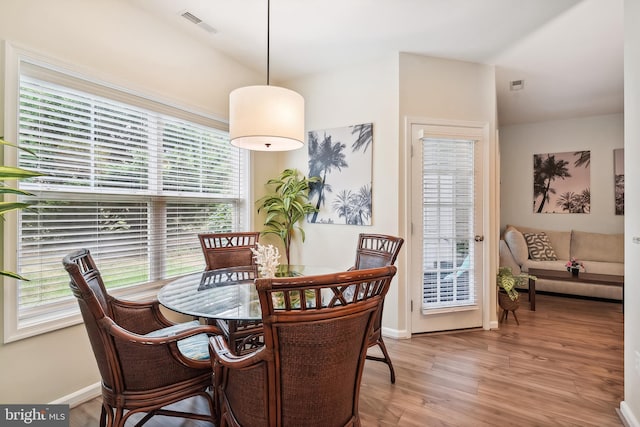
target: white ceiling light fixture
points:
(264, 117)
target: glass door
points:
(446, 221)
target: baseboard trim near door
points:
(79, 397)
(627, 416)
(398, 334)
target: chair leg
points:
(386, 359)
(103, 417)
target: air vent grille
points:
(191, 17)
(516, 85)
(199, 22)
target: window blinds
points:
(448, 222)
(134, 185)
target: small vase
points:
(575, 271)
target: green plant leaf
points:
(10, 206)
(3, 142)
(14, 275)
(10, 172)
(9, 190)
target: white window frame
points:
(57, 317)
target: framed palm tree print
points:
(618, 172)
(561, 182)
(342, 159)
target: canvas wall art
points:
(618, 172)
(342, 158)
(561, 182)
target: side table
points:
(532, 292)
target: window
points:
(448, 217)
(130, 179)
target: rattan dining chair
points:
(378, 250)
(146, 361)
(309, 370)
(224, 250)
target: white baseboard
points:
(627, 416)
(395, 333)
(81, 396)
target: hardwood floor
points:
(563, 366)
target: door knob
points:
(479, 238)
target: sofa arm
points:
(507, 259)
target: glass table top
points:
(228, 294)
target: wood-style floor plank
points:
(562, 366)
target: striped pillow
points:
(540, 248)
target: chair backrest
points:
(87, 286)
(139, 374)
(222, 250)
(318, 335)
(123, 365)
(377, 250)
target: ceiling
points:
(569, 53)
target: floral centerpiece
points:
(574, 264)
(267, 259)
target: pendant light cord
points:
(268, 35)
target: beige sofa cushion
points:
(517, 244)
(597, 247)
(560, 240)
(598, 267)
(545, 265)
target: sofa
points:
(522, 248)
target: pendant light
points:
(264, 117)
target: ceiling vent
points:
(516, 85)
(199, 22)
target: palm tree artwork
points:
(618, 171)
(561, 182)
(341, 159)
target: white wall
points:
(435, 88)
(630, 407)
(365, 93)
(115, 42)
(385, 92)
(518, 143)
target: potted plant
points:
(9, 173)
(286, 206)
(574, 266)
(507, 283)
(508, 297)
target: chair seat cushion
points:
(195, 347)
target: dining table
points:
(227, 293)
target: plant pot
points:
(507, 303)
(575, 272)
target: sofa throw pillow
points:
(540, 248)
(517, 244)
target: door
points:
(446, 215)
